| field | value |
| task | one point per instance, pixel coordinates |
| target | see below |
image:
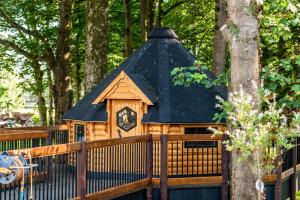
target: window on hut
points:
(196, 144)
(79, 133)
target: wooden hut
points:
(139, 97)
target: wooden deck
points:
(111, 168)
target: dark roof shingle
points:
(149, 67)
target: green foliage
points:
(262, 131)
(197, 74)
(280, 43)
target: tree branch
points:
(17, 49)
(172, 7)
(17, 26)
(226, 33)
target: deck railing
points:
(29, 137)
(107, 169)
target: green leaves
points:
(262, 133)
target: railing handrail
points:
(50, 150)
(117, 141)
(22, 135)
(61, 127)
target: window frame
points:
(75, 130)
(199, 144)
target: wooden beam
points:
(61, 127)
(120, 190)
(164, 167)
(81, 172)
(188, 181)
(50, 150)
(287, 173)
(294, 177)
(225, 170)
(23, 135)
(149, 158)
(117, 141)
(278, 182)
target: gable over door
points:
(126, 105)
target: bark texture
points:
(219, 49)
(151, 14)
(40, 100)
(96, 43)
(241, 32)
(144, 6)
(57, 58)
(62, 88)
(128, 32)
(160, 13)
(50, 102)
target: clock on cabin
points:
(126, 119)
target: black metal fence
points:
(54, 178)
(189, 156)
(115, 165)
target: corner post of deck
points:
(150, 166)
(277, 195)
(164, 167)
(294, 175)
(225, 169)
(81, 172)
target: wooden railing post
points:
(49, 138)
(150, 167)
(225, 170)
(278, 182)
(81, 172)
(294, 175)
(164, 167)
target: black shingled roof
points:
(149, 67)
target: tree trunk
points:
(62, 88)
(50, 102)
(96, 43)
(151, 14)
(38, 90)
(128, 32)
(219, 49)
(144, 5)
(41, 103)
(241, 33)
(78, 65)
(159, 13)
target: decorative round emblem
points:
(126, 118)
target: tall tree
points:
(242, 35)
(52, 48)
(144, 6)
(128, 31)
(219, 50)
(38, 75)
(96, 43)
(151, 15)
(62, 68)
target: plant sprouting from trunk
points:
(259, 133)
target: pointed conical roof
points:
(149, 67)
